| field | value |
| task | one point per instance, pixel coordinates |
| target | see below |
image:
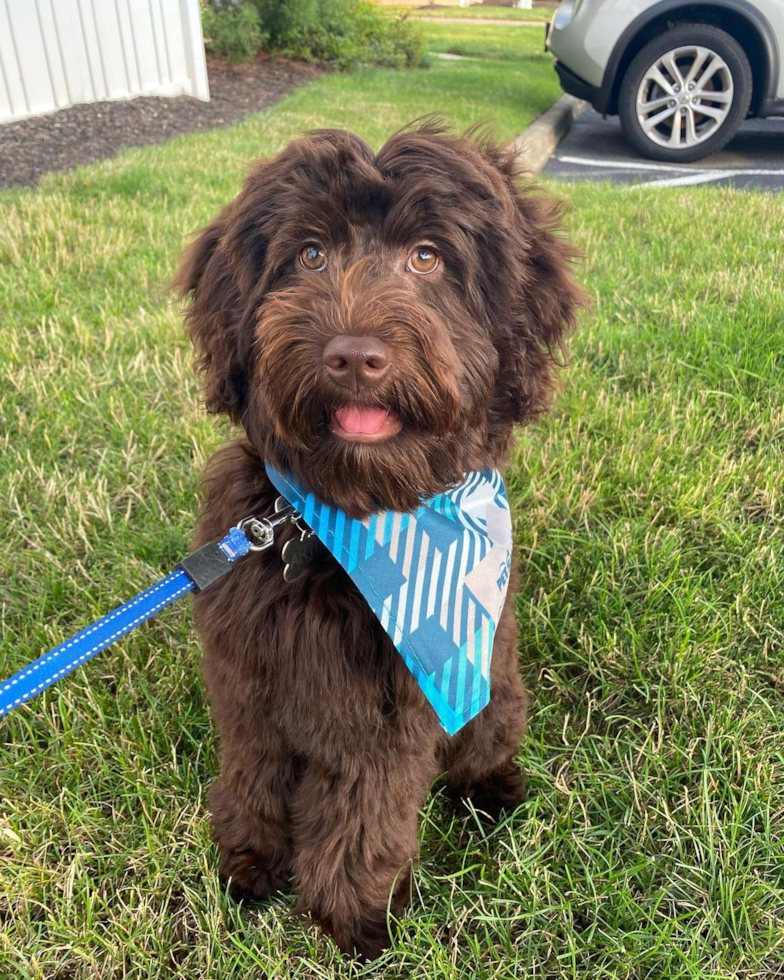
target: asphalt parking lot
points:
(595, 149)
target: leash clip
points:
(262, 529)
(195, 573)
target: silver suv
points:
(681, 75)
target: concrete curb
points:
(539, 141)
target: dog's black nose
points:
(356, 362)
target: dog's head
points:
(378, 323)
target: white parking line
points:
(621, 164)
(695, 178)
(667, 168)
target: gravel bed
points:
(80, 134)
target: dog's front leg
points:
(355, 840)
(481, 757)
(249, 803)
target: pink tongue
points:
(365, 420)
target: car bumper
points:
(574, 85)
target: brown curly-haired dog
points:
(425, 281)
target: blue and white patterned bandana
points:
(436, 579)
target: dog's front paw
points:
(363, 937)
(249, 875)
(366, 942)
(502, 790)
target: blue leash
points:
(194, 574)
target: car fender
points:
(606, 97)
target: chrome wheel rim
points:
(685, 97)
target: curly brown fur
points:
(327, 745)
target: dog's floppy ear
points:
(216, 317)
(542, 297)
(225, 272)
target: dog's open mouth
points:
(358, 423)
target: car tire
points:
(665, 88)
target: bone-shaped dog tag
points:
(298, 553)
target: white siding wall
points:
(54, 53)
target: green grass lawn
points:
(477, 10)
(518, 45)
(649, 526)
(509, 82)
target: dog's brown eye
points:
(423, 260)
(313, 258)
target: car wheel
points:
(685, 93)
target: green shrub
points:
(344, 33)
(232, 29)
